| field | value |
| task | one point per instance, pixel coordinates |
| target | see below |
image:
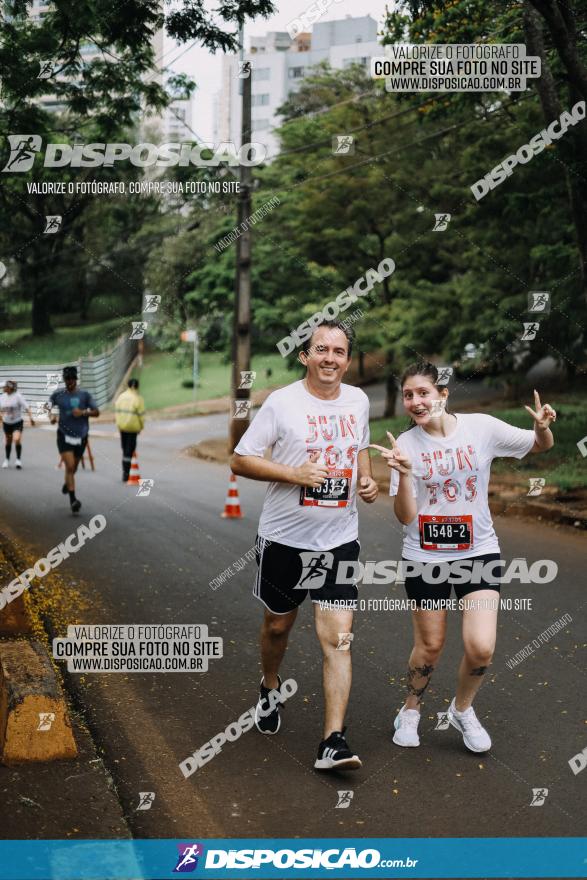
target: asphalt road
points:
(153, 563)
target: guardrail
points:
(100, 374)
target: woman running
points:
(440, 476)
(12, 409)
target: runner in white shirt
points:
(13, 406)
(318, 433)
(440, 476)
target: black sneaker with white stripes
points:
(334, 753)
(267, 718)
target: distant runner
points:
(12, 409)
(75, 407)
(130, 421)
(440, 477)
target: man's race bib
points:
(446, 532)
(335, 491)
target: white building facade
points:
(278, 67)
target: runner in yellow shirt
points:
(130, 421)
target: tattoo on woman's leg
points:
(480, 670)
(418, 672)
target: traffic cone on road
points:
(232, 508)
(134, 477)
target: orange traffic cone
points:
(232, 508)
(134, 477)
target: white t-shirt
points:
(450, 477)
(13, 407)
(293, 423)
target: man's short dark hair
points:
(70, 372)
(332, 325)
(133, 383)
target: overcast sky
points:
(204, 67)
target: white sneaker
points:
(406, 728)
(475, 736)
(5, 463)
(18, 463)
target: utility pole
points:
(241, 336)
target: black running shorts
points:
(77, 449)
(287, 574)
(15, 426)
(419, 588)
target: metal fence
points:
(101, 375)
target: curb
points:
(34, 719)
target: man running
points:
(318, 433)
(12, 409)
(75, 407)
(130, 421)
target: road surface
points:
(154, 562)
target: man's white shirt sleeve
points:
(261, 434)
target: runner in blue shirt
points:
(75, 407)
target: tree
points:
(99, 99)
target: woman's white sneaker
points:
(406, 728)
(475, 736)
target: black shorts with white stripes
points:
(287, 574)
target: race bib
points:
(446, 532)
(73, 441)
(335, 491)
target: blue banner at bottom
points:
(368, 858)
